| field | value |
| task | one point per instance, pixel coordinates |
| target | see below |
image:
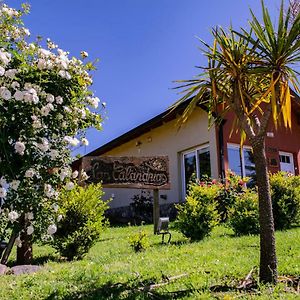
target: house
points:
(195, 149)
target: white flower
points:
(31, 46)
(31, 96)
(70, 186)
(59, 100)
(29, 216)
(65, 172)
(2, 71)
(84, 176)
(64, 74)
(67, 109)
(51, 229)
(48, 190)
(59, 217)
(36, 124)
(30, 173)
(75, 174)
(27, 86)
(72, 141)
(94, 102)
(53, 154)
(3, 181)
(20, 148)
(44, 53)
(15, 184)
(5, 57)
(15, 85)
(85, 142)
(18, 242)
(44, 146)
(5, 93)
(45, 110)
(26, 31)
(13, 216)
(50, 98)
(84, 54)
(19, 95)
(82, 112)
(3, 192)
(11, 73)
(30, 230)
(55, 207)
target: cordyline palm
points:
(249, 73)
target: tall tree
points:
(249, 72)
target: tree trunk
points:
(24, 253)
(268, 260)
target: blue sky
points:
(142, 45)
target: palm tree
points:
(250, 73)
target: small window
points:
(241, 163)
(196, 165)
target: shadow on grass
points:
(39, 260)
(121, 291)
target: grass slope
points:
(112, 270)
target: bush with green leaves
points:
(142, 206)
(243, 216)
(233, 187)
(139, 241)
(81, 221)
(198, 215)
(285, 189)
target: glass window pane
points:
(189, 167)
(204, 163)
(249, 163)
(234, 160)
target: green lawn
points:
(112, 270)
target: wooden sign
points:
(128, 172)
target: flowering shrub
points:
(45, 106)
(80, 220)
(228, 192)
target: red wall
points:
(283, 140)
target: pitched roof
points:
(166, 116)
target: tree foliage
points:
(249, 72)
(45, 106)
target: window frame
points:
(242, 156)
(196, 152)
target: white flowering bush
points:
(45, 107)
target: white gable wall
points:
(168, 141)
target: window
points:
(241, 164)
(196, 164)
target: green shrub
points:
(198, 215)
(285, 199)
(142, 206)
(243, 216)
(139, 241)
(234, 186)
(82, 223)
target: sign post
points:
(156, 209)
(130, 172)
